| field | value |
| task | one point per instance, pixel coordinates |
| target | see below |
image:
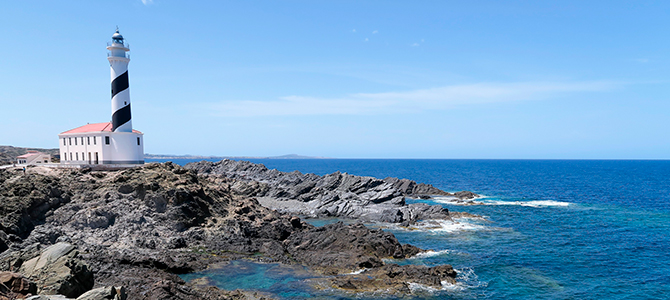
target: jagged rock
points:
(138, 227)
(339, 248)
(105, 293)
(332, 195)
(395, 278)
(4, 240)
(15, 285)
(58, 270)
(38, 297)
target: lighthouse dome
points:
(117, 38)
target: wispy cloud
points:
(375, 32)
(147, 2)
(415, 101)
(353, 30)
(642, 60)
(366, 39)
(415, 45)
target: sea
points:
(552, 229)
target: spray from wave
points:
(445, 226)
(537, 203)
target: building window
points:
(70, 155)
(75, 141)
(93, 140)
(70, 139)
(88, 140)
(106, 140)
(82, 156)
(82, 140)
(76, 154)
(138, 141)
(64, 142)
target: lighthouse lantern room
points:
(110, 143)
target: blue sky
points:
(348, 79)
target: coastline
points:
(138, 228)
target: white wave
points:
(537, 203)
(467, 279)
(417, 287)
(445, 286)
(446, 226)
(455, 201)
(356, 272)
(430, 253)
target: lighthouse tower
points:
(112, 144)
(118, 61)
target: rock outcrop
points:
(333, 195)
(14, 285)
(59, 271)
(395, 278)
(138, 228)
(105, 293)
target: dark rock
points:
(332, 195)
(139, 227)
(393, 277)
(4, 241)
(339, 248)
(465, 195)
(58, 270)
(104, 293)
(17, 284)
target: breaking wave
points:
(537, 203)
(466, 279)
(445, 226)
(431, 253)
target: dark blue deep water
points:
(556, 229)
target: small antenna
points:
(117, 28)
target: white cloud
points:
(415, 45)
(440, 98)
(375, 32)
(354, 30)
(642, 60)
(147, 2)
(366, 39)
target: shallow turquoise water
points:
(555, 230)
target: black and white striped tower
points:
(118, 61)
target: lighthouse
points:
(118, 62)
(114, 144)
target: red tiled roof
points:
(96, 127)
(30, 154)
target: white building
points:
(114, 142)
(97, 144)
(33, 157)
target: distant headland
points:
(8, 155)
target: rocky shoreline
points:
(127, 234)
(337, 194)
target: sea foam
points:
(537, 203)
(431, 253)
(445, 226)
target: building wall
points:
(75, 148)
(122, 148)
(38, 158)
